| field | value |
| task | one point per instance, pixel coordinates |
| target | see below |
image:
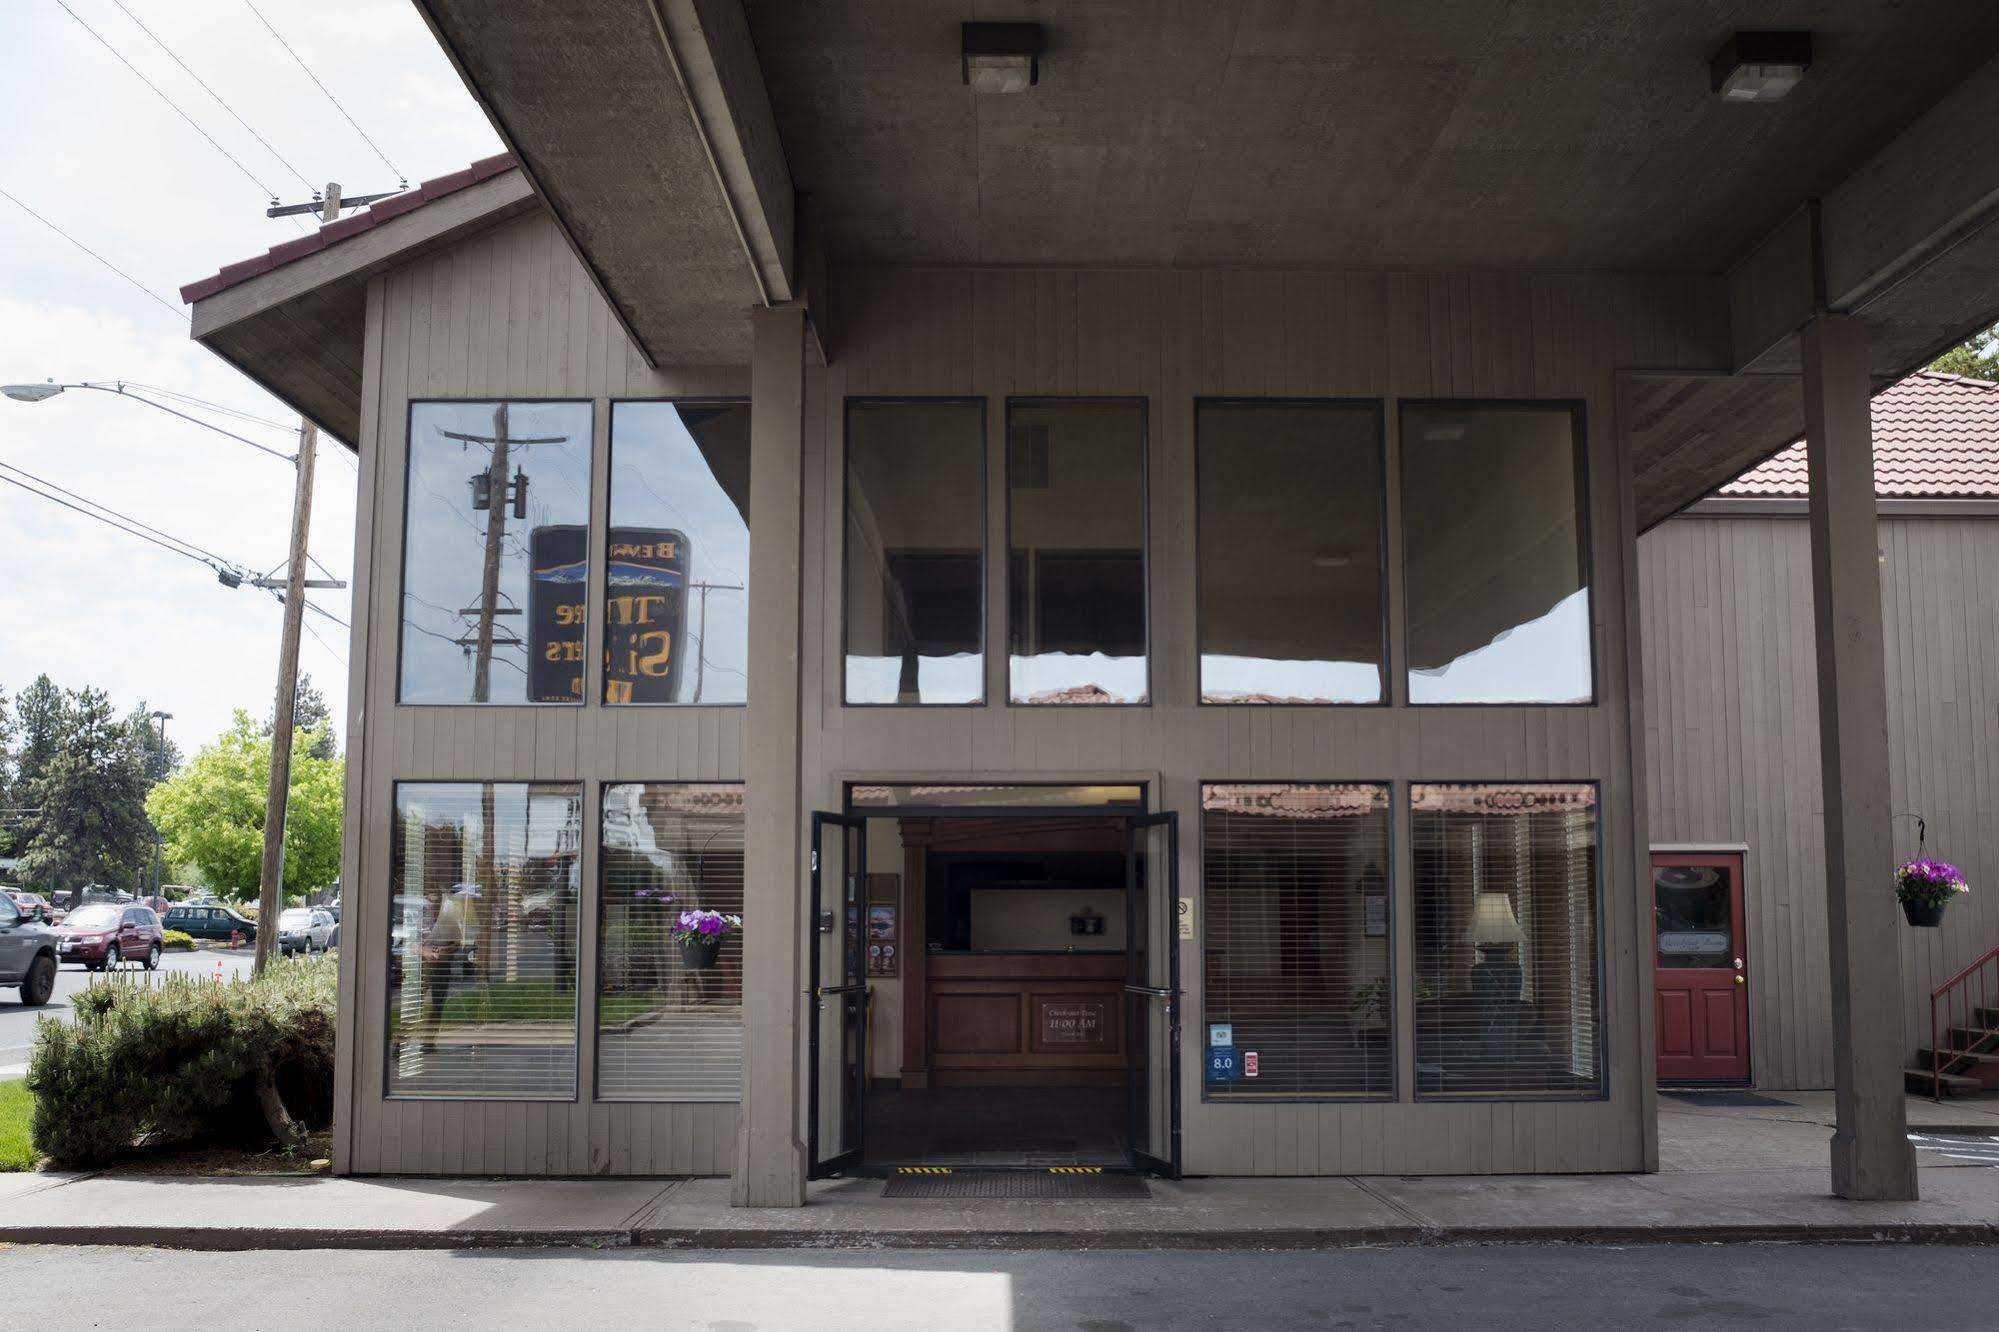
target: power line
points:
(212, 93)
(328, 91)
(106, 521)
(172, 309)
(337, 655)
(289, 427)
(121, 517)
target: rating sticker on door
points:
(1249, 1063)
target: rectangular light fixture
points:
(1760, 66)
(1000, 57)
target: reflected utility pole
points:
(701, 630)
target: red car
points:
(103, 935)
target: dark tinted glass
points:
(1290, 591)
(495, 553)
(915, 552)
(676, 608)
(1497, 562)
(1076, 558)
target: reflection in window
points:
(1297, 941)
(1076, 558)
(1693, 915)
(668, 1031)
(916, 520)
(482, 939)
(1497, 562)
(676, 605)
(495, 556)
(1506, 940)
(1290, 504)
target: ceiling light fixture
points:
(1000, 57)
(1760, 66)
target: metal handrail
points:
(1944, 1001)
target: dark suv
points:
(27, 954)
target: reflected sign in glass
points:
(644, 614)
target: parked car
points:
(103, 936)
(33, 905)
(303, 929)
(212, 921)
(27, 954)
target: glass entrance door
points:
(1152, 993)
(837, 996)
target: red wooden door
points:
(1701, 977)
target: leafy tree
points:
(8, 813)
(309, 713)
(88, 823)
(1976, 358)
(211, 813)
(38, 716)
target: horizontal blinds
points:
(1506, 939)
(667, 1031)
(1296, 947)
(482, 939)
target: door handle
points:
(1739, 980)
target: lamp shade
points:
(1493, 922)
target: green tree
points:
(1975, 358)
(309, 713)
(88, 820)
(211, 813)
(8, 812)
(38, 718)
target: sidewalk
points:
(1733, 1174)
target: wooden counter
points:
(1025, 1019)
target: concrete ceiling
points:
(1463, 133)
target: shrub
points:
(159, 1066)
(176, 941)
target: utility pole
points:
(493, 492)
(701, 631)
(160, 720)
(270, 896)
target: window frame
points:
(1390, 511)
(983, 403)
(1143, 403)
(403, 535)
(1578, 411)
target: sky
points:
(100, 155)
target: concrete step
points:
(1952, 1084)
(1973, 1038)
(1959, 1061)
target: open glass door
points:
(837, 996)
(1152, 993)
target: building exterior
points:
(1135, 607)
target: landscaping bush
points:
(176, 941)
(147, 1066)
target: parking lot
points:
(17, 1022)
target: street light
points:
(160, 720)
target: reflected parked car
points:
(212, 922)
(33, 905)
(27, 954)
(303, 929)
(102, 936)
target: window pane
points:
(1506, 940)
(1290, 506)
(916, 524)
(1076, 557)
(1297, 941)
(482, 939)
(495, 559)
(667, 1031)
(1497, 563)
(676, 609)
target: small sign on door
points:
(1249, 1063)
(1186, 917)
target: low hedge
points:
(237, 1062)
(176, 941)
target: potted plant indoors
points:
(1925, 887)
(700, 935)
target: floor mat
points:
(1720, 1098)
(1015, 1184)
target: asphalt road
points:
(17, 1023)
(1539, 1287)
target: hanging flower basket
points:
(1925, 887)
(700, 935)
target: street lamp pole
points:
(160, 720)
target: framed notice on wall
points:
(884, 924)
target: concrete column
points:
(770, 1160)
(1871, 1156)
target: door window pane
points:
(1498, 563)
(1076, 552)
(915, 554)
(1290, 513)
(669, 1026)
(482, 939)
(677, 562)
(1693, 915)
(1506, 940)
(1297, 941)
(495, 557)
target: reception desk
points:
(1025, 1019)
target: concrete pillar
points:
(770, 1160)
(1871, 1156)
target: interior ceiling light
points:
(1001, 57)
(1760, 66)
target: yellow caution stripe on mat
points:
(1075, 1170)
(923, 1170)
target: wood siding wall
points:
(1732, 745)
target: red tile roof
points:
(353, 224)
(1935, 437)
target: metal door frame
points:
(851, 993)
(1138, 992)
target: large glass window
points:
(1290, 585)
(1297, 941)
(483, 888)
(677, 557)
(1497, 555)
(915, 554)
(1506, 940)
(1075, 474)
(495, 552)
(669, 1021)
